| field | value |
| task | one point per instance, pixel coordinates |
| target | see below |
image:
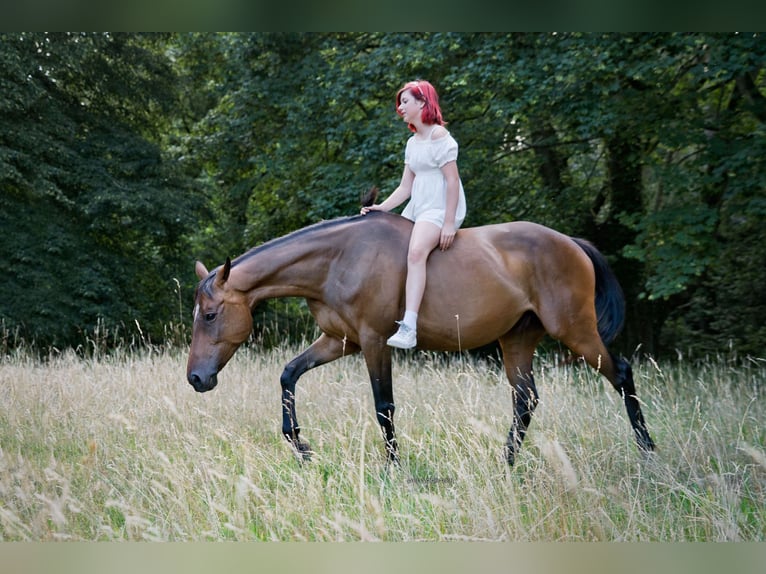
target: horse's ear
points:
(223, 274)
(201, 270)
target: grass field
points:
(120, 447)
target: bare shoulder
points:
(439, 133)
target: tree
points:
(94, 216)
(626, 139)
(126, 156)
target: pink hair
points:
(422, 91)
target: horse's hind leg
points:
(618, 371)
(321, 351)
(624, 384)
(518, 346)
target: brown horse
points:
(510, 283)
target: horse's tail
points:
(610, 300)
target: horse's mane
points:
(369, 197)
(366, 199)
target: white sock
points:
(411, 320)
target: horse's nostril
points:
(202, 385)
(195, 381)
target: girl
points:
(432, 183)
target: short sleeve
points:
(407, 152)
(445, 150)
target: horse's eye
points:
(210, 317)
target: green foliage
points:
(93, 213)
(676, 245)
(124, 157)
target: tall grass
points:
(119, 447)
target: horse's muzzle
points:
(202, 385)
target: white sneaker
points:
(404, 338)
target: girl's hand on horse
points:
(447, 237)
(366, 210)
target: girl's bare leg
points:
(425, 237)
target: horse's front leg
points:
(518, 348)
(324, 350)
(378, 358)
(525, 401)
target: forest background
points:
(125, 157)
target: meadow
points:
(117, 446)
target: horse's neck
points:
(289, 269)
(307, 263)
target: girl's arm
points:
(399, 195)
(452, 178)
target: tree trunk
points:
(622, 195)
(551, 163)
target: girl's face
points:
(409, 107)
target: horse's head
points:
(222, 322)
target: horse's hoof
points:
(303, 451)
(645, 442)
(393, 461)
(510, 456)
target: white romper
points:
(428, 200)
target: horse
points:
(510, 282)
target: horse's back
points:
(524, 238)
(475, 292)
(522, 252)
(481, 287)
